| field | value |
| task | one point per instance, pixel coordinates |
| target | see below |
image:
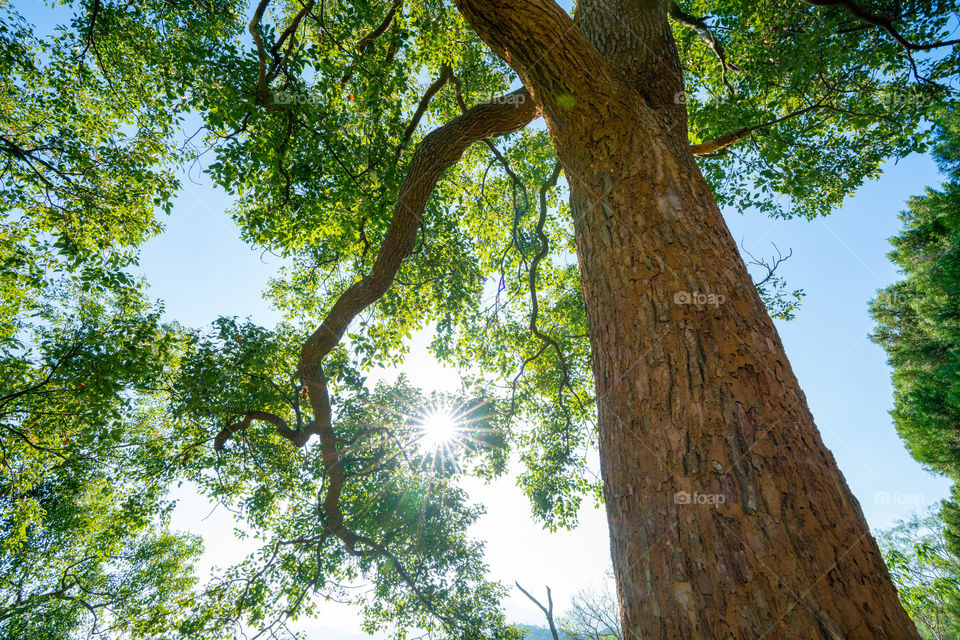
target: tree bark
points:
(728, 516)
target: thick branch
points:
(540, 41)
(438, 152)
(296, 437)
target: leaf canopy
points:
(311, 116)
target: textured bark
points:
(695, 401)
(698, 400)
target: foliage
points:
(918, 318)
(86, 117)
(918, 323)
(310, 118)
(926, 573)
(397, 491)
(854, 100)
(84, 468)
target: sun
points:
(438, 429)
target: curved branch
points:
(94, 14)
(438, 151)
(518, 212)
(379, 31)
(544, 249)
(293, 436)
(534, 301)
(699, 25)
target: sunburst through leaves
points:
(439, 429)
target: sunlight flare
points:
(439, 427)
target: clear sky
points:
(201, 270)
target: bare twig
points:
(547, 611)
(770, 267)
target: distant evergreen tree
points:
(918, 323)
(919, 317)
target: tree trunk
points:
(728, 516)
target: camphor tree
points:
(378, 147)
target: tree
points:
(593, 615)
(917, 324)
(917, 317)
(86, 143)
(85, 457)
(926, 574)
(84, 544)
(654, 112)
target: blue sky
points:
(201, 270)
